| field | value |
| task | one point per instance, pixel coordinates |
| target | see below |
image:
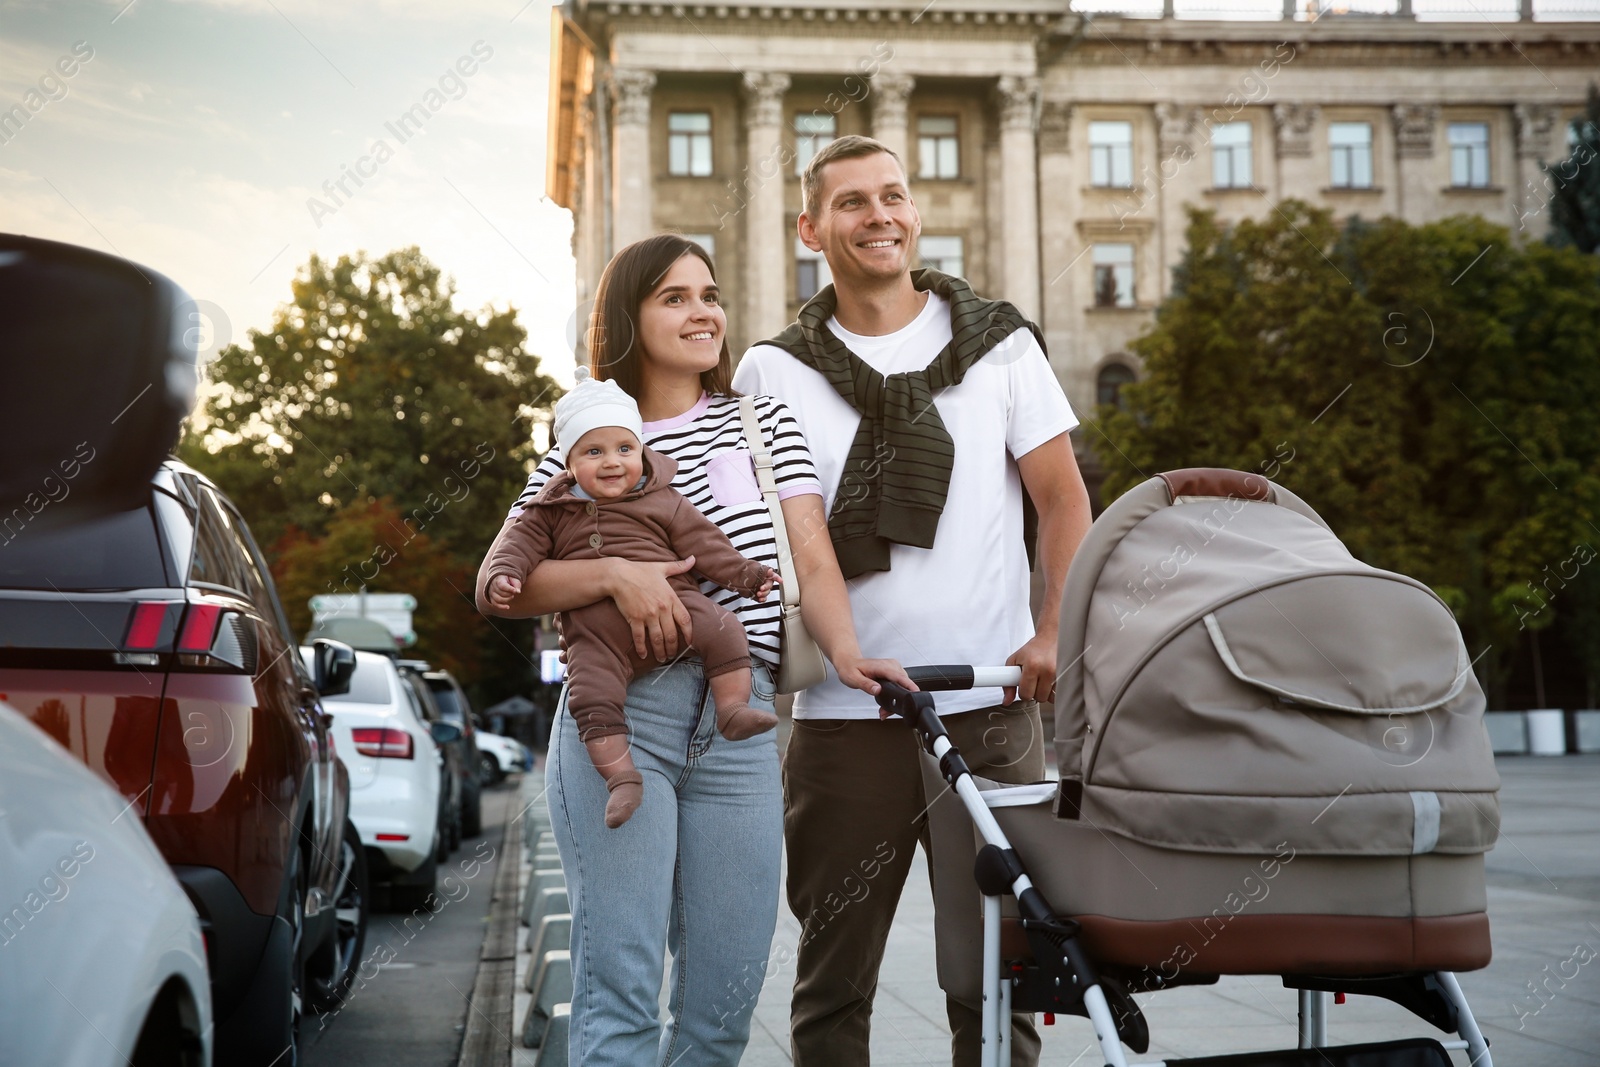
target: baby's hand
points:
(502, 589)
(770, 578)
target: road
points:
(409, 1005)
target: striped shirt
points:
(716, 473)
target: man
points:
(924, 472)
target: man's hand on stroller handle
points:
(864, 674)
(946, 678)
(1037, 659)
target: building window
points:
(1350, 144)
(938, 147)
(1113, 276)
(811, 132)
(1109, 383)
(810, 272)
(689, 144)
(706, 241)
(1111, 154)
(1230, 155)
(943, 254)
(1469, 154)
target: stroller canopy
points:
(1235, 678)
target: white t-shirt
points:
(965, 600)
(716, 473)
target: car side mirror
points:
(445, 733)
(70, 316)
(334, 662)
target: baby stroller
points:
(1288, 742)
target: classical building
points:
(1051, 153)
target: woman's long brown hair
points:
(613, 337)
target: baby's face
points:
(608, 462)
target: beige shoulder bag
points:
(800, 664)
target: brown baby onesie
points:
(652, 524)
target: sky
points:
(206, 139)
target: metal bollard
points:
(553, 1052)
(552, 985)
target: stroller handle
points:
(935, 679)
(948, 677)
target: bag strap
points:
(762, 458)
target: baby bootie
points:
(627, 793)
(739, 721)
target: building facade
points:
(1052, 154)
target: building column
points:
(631, 189)
(891, 92)
(1414, 136)
(768, 243)
(1294, 126)
(1533, 124)
(1019, 168)
(1062, 287)
(1176, 170)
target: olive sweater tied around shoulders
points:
(897, 473)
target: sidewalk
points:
(1544, 902)
(1544, 905)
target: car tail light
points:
(216, 638)
(382, 741)
(144, 626)
(394, 837)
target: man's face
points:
(864, 222)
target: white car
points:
(499, 756)
(101, 958)
(395, 771)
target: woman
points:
(696, 868)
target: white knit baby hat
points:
(591, 404)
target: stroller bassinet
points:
(1272, 756)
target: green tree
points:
(371, 384)
(1430, 390)
(370, 546)
(1574, 184)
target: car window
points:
(257, 578)
(216, 557)
(444, 694)
(120, 551)
(412, 699)
(368, 685)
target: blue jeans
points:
(695, 870)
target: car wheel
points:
(456, 821)
(336, 966)
(472, 816)
(264, 1031)
(413, 893)
(489, 772)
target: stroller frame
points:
(1064, 974)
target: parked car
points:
(395, 776)
(455, 708)
(96, 929)
(149, 642)
(499, 756)
(456, 769)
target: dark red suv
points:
(151, 644)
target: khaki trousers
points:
(855, 807)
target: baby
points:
(616, 499)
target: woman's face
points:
(681, 323)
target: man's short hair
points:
(850, 146)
